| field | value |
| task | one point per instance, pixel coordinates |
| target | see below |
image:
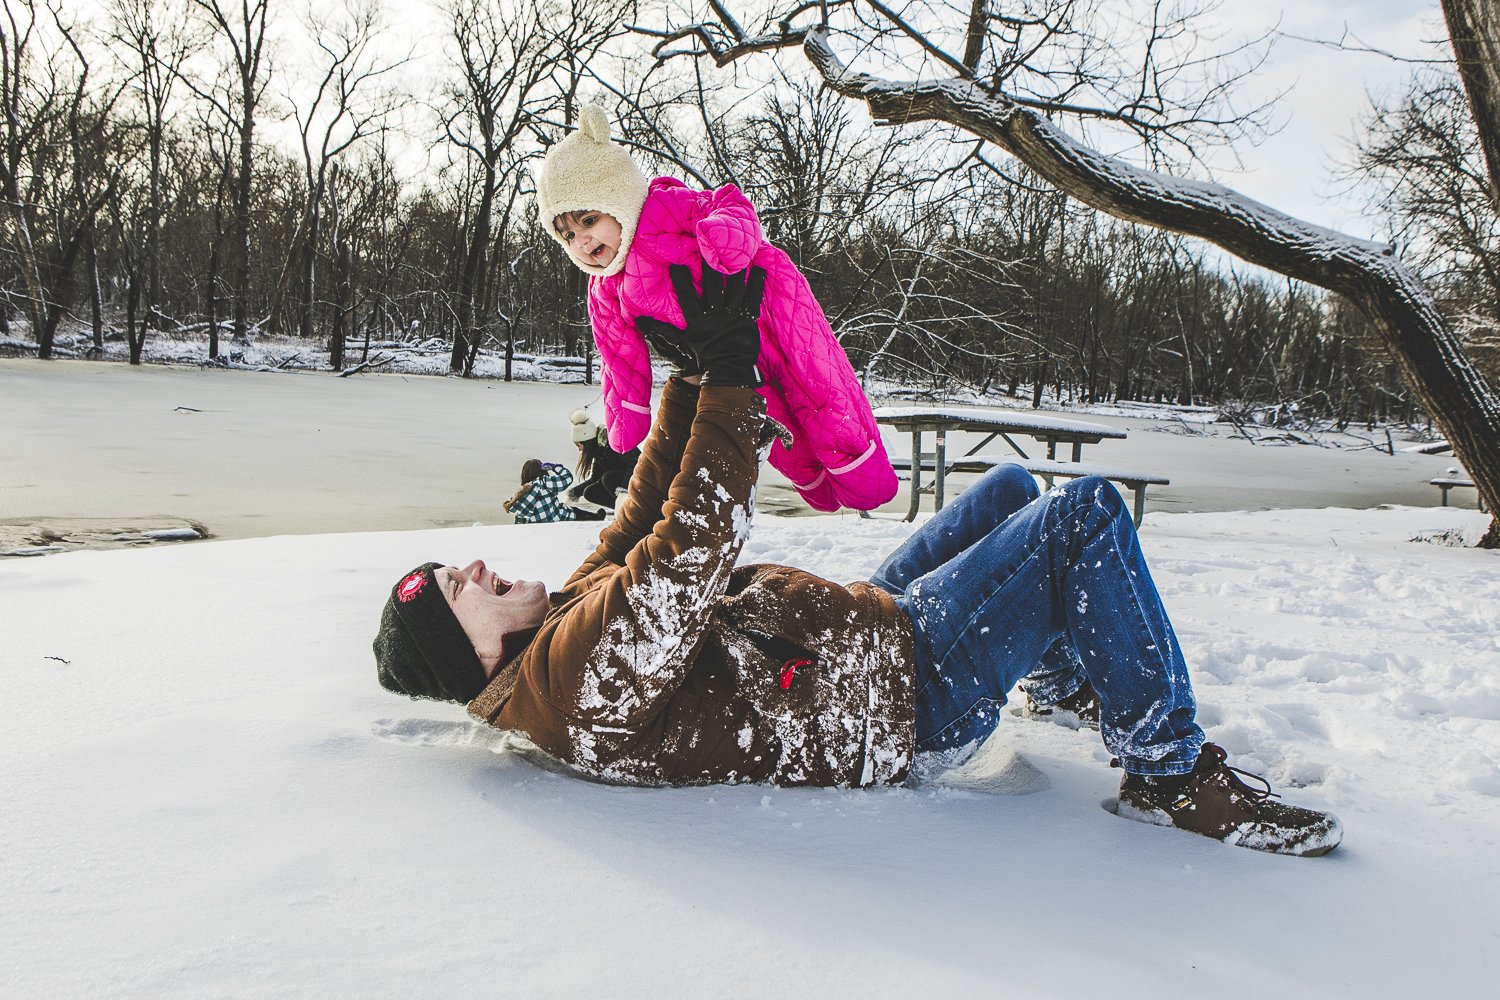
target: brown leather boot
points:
(1214, 802)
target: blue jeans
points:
(1004, 584)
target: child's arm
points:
(554, 478)
(643, 622)
(643, 506)
(729, 233)
(624, 368)
(515, 497)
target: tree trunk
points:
(1474, 30)
(470, 286)
(153, 229)
(1429, 355)
(215, 262)
(313, 230)
(96, 297)
(242, 234)
(136, 340)
(31, 274)
(213, 292)
(343, 280)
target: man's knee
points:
(1012, 477)
(1097, 490)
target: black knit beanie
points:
(421, 651)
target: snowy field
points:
(207, 795)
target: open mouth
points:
(502, 587)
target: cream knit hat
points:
(584, 429)
(586, 171)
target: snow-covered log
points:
(1434, 364)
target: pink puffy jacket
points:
(836, 458)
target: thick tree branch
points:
(1474, 28)
(1425, 348)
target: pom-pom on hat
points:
(584, 429)
(586, 171)
(421, 651)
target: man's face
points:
(592, 237)
(488, 606)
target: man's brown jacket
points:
(660, 663)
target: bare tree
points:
(1005, 89)
(133, 224)
(503, 68)
(218, 146)
(338, 111)
(1422, 152)
(152, 38)
(1474, 30)
(30, 93)
(59, 165)
(509, 60)
(241, 30)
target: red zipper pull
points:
(789, 671)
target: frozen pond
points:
(109, 450)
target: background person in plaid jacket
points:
(536, 502)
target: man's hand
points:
(721, 324)
(721, 340)
(670, 344)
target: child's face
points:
(593, 237)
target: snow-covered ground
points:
(205, 793)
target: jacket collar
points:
(491, 701)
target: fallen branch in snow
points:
(1240, 429)
(376, 362)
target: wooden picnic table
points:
(993, 423)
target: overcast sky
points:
(1293, 170)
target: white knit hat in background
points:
(586, 171)
(584, 429)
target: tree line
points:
(147, 194)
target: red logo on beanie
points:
(411, 586)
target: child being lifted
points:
(637, 239)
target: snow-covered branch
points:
(1421, 341)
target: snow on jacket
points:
(836, 458)
(661, 663)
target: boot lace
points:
(1220, 758)
(1236, 775)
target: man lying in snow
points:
(660, 662)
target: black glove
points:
(670, 344)
(721, 327)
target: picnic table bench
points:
(1049, 469)
(1446, 483)
(1007, 425)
